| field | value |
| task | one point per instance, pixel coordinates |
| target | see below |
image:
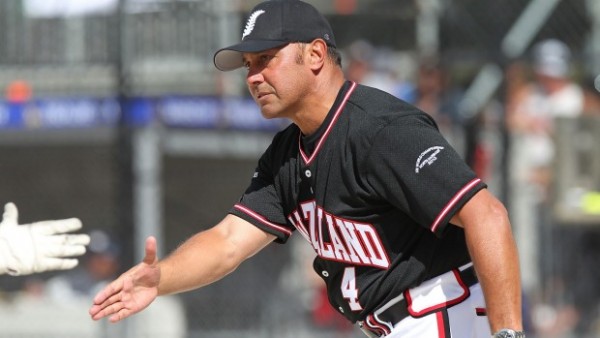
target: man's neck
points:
(317, 105)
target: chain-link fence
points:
(117, 116)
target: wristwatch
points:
(508, 333)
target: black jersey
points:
(373, 191)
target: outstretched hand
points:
(132, 292)
(40, 246)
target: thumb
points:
(11, 214)
(150, 257)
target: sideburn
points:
(300, 55)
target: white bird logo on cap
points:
(251, 22)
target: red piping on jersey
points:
(383, 324)
(306, 159)
(453, 202)
(262, 219)
(440, 324)
(375, 326)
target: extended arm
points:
(494, 253)
(202, 259)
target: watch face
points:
(506, 334)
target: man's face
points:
(276, 79)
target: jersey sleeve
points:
(260, 203)
(413, 167)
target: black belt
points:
(399, 310)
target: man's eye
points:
(265, 58)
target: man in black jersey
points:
(399, 223)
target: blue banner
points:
(172, 111)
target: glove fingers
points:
(63, 250)
(56, 226)
(79, 239)
(11, 213)
(48, 264)
(67, 239)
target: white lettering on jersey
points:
(350, 242)
(432, 152)
(325, 248)
(339, 250)
(375, 249)
(297, 221)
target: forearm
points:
(495, 258)
(202, 259)
(210, 255)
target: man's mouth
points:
(260, 95)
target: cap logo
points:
(251, 22)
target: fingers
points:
(121, 314)
(11, 213)
(50, 264)
(80, 239)
(132, 291)
(111, 307)
(60, 226)
(67, 240)
(62, 250)
(61, 245)
(109, 302)
(150, 257)
(116, 311)
(108, 295)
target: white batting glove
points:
(40, 246)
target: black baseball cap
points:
(274, 24)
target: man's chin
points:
(269, 113)
(269, 117)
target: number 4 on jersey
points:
(349, 290)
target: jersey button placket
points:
(308, 175)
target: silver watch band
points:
(509, 333)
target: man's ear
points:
(317, 54)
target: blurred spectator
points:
(591, 90)
(360, 55)
(374, 67)
(436, 96)
(18, 91)
(531, 110)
